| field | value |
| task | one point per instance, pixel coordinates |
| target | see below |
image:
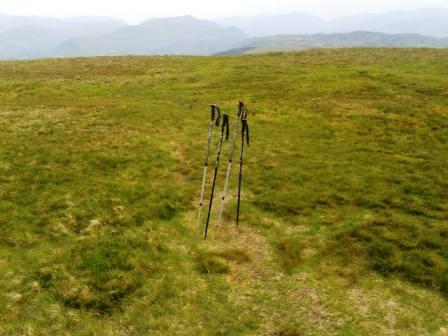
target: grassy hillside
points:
(345, 209)
(356, 39)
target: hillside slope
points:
(345, 40)
(344, 217)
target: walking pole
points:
(224, 127)
(240, 113)
(244, 134)
(214, 109)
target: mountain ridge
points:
(427, 21)
(178, 35)
(33, 37)
(24, 37)
(336, 40)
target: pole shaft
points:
(202, 196)
(214, 182)
(229, 167)
(240, 181)
(207, 153)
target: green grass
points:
(344, 222)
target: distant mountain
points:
(430, 22)
(28, 37)
(293, 23)
(36, 37)
(173, 36)
(83, 25)
(344, 40)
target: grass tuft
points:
(235, 255)
(290, 253)
(287, 332)
(402, 247)
(101, 274)
(210, 264)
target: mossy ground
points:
(345, 204)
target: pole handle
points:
(225, 125)
(245, 127)
(213, 112)
(218, 119)
(241, 109)
(245, 131)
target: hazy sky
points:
(136, 10)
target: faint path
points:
(261, 288)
